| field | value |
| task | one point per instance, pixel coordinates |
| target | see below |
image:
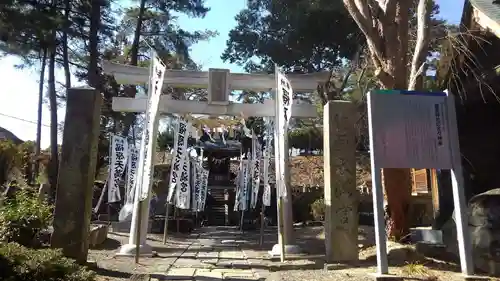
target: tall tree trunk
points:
(386, 28)
(398, 182)
(134, 54)
(67, 24)
(54, 153)
(94, 76)
(40, 111)
(95, 22)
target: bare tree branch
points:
(415, 77)
(359, 10)
(352, 68)
(421, 49)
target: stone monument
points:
(73, 205)
(341, 196)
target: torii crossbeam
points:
(219, 83)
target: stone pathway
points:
(208, 254)
(220, 253)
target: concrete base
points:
(128, 250)
(124, 226)
(437, 251)
(289, 250)
(475, 278)
(427, 235)
(98, 234)
(387, 277)
(338, 266)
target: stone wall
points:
(421, 205)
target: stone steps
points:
(218, 210)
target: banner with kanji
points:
(119, 156)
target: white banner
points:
(204, 190)
(255, 171)
(239, 185)
(284, 99)
(148, 143)
(183, 191)
(119, 156)
(266, 153)
(237, 200)
(243, 204)
(180, 153)
(266, 195)
(202, 183)
(195, 198)
(133, 156)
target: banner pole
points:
(138, 232)
(277, 157)
(165, 223)
(280, 229)
(241, 220)
(177, 219)
(262, 209)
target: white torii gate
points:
(219, 83)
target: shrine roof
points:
(491, 9)
(229, 146)
(8, 135)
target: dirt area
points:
(183, 251)
(403, 260)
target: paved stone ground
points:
(218, 253)
(210, 253)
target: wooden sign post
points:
(415, 130)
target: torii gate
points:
(219, 82)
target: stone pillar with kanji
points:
(76, 173)
(341, 195)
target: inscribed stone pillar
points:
(341, 196)
(76, 173)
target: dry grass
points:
(414, 269)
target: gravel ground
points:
(321, 275)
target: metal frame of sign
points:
(447, 121)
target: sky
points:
(19, 87)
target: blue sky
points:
(19, 88)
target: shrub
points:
(318, 209)
(18, 263)
(302, 205)
(27, 151)
(10, 157)
(23, 217)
